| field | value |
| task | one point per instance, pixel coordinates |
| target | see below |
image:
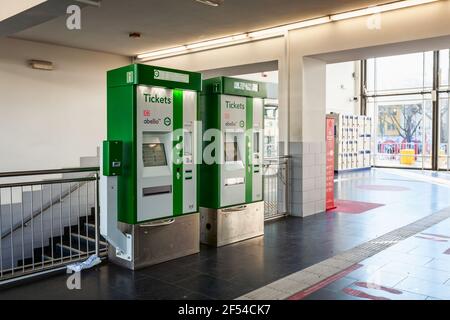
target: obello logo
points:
(156, 74)
(167, 121)
(242, 124)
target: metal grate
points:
(276, 175)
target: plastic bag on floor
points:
(89, 263)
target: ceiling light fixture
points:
(265, 33)
(162, 52)
(379, 9)
(41, 65)
(211, 3)
(275, 31)
(209, 43)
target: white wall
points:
(49, 119)
(343, 87)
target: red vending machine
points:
(330, 132)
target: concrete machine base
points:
(160, 241)
(220, 227)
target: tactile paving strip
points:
(311, 276)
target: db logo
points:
(147, 113)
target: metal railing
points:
(276, 187)
(48, 222)
(389, 155)
(392, 154)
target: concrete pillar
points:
(307, 136)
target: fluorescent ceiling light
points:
(378, 9)
(161, 52)
(356, 13)
(214, 42)
(280, 30)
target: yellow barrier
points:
(407, 156)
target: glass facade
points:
(444, 131)
(400, 74)
(399, 94)
(444, 69)
(402, 130)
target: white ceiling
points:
(167, 23)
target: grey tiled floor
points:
(418, 268)
(289, 245)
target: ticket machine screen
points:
(154, 155)
(232, 152)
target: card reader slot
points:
(153, 191)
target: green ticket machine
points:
(231, 198)
(149, 205)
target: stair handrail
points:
(47, 172)
(51, 202)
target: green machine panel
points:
(235, 86)
(233, 107)
(152, 113)
(112, 158)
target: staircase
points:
(33, 239)
(77, 243)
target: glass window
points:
(402, 131)
(371, 76)
(444, 69)
(444, 132)
(403, 73)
